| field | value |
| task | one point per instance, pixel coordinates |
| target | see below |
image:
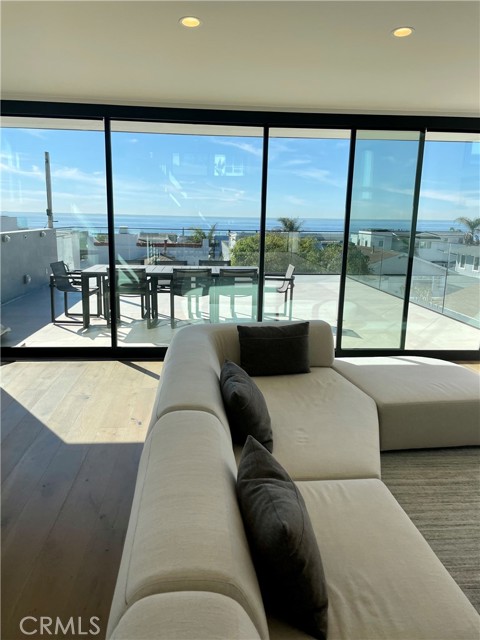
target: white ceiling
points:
(290, 55)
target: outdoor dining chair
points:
(163, 285)
(130, 282)
(237, 283)
(190, 283)
(286, 288)
(67, 282)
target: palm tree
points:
(211, 234)
(472, 224)
(290, 224)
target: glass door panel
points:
(444, 310)
(53, 209)
(307, 180)
(184, 196)
(379, 239)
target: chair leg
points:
(172, 310)
(52, 303)
(147, 309)
(290, 301)
(106, 306)
(118, 308)
(99, 299)
(65, 302)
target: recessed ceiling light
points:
(190, 22)
(402, 32)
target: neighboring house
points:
(381, 239)
(467, 260)
(387, 250)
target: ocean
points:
(97, 223)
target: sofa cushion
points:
(284, 548)
(245, 406)
(384, 581)
(323, 426)
(186, 531)
(183, 615)
(274, 350)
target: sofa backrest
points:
(186, 532)
(194, 359)
(224, 338)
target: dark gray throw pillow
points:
(274, 350)
(245, 406)
(283, 545)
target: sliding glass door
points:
(444, 310)
(185, 196)
(379, 235)
(53, 211)
(307, 181)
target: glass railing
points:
(316, 257)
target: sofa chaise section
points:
(324, 427)
(384, 581)
(422, 402)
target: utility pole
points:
(49, 191)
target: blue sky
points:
(221, 176)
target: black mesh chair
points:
(163, 286)
(286, 288)
(66, 281)
(129, 281)
(194, 283)
(237, 283)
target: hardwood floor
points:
(72, 434)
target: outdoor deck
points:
(371, 318)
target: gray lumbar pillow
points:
(274, 350)
(284, 548)
(245, 406)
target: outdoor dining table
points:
(154, 272)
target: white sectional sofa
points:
(187, 572)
